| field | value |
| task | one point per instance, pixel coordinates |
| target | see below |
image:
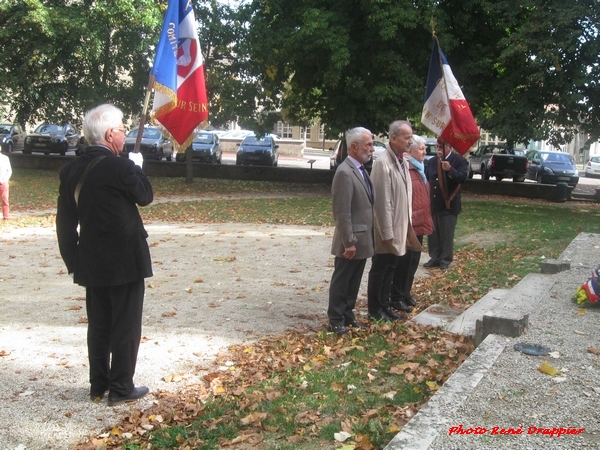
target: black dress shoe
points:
(444, 266)
(431, 263)
(337, 329)
(410, 301)
(136, 394)
(393, 314)
(379, 316)
(401, 306)
(356, 324)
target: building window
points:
(306, 136)
(284, 130)
(321, 132)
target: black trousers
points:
(343, 289)
(441, 241)
(381, 276)
(114, 327)
(404, 274)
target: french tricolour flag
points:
(446, 111)
(180, 107)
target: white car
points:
(592, 168)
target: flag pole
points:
(138, 139)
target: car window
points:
(50, 128)
(204, 138)
(562, 158)
(595, 159)
(151, 133)
(252, 140)
(4, 129)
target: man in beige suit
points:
(353, 240)
(393, 191)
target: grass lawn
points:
(306, 390)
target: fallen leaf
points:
(548, 369)
(593, 350)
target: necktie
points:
(367, 180)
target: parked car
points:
(592, 168)
(498, 161)
(206, 147)
(339, 152)
(153, 145)
(12, 137)
(550, 167)
(52, 138)
(262, 152)
(430, 149)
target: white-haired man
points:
(108, 253)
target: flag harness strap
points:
(447, 199)
(89, 167)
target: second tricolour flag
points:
(446, 111)
(180, 106)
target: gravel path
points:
(516, 396)
(214, 286)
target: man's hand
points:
(350, 252)
(446, 166)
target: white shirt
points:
(5, 169)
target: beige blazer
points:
(393, 209)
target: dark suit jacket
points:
(110, 248)
(352, 212)
(457, 174)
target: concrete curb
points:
(435, 416)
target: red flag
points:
(446, 111)
(180, 106)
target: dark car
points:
(262, 152)
(153, 145)
(206, 147)
(550, 167)
(52, 138)
(12, 137)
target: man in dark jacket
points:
(109, 254)
(445, 172)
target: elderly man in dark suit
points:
(109, 254)
(445, 172)
(353, 239)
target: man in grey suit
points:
(353, 239)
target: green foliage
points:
(62, 57)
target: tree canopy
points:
(61, 57)
(530, 70)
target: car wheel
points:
(499, 178)
(46, 153)
(170, 157)
(485, 175)
(469, 176)
(9, 149)
(220, 160)
(238, 162)
(63, 151)
(26, 152)
(160, 155)
(538, 179)
(518, 179)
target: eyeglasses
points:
(122, 130)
